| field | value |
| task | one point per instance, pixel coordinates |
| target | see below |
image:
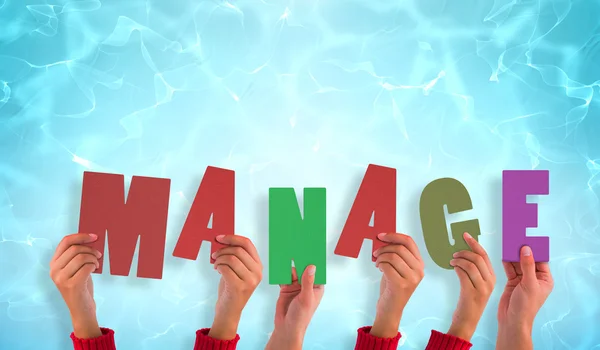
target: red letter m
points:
(106, 213)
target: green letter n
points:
(294, 238)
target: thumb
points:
(528, 266)
(308, 279)
(463, 278)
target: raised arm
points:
(70, 269)
(477, 280)
(529, 285)
(241, 270)
(403, 269)
(296, 306)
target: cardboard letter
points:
(518, 215)
(216, 198)
(376, 196)
(105, 213)
(292, 237)
(454, 195)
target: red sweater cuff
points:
(441, 341)
(104, 342)
(204, 342)
(366, 341)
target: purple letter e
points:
(518, 215)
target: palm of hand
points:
(85, 296)
(517, 297)
(387, 295)
(224, 293)
(288, 302)
(511, 298)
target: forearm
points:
(514, 337)
(386, 326)
(224, 328)
(85, 326)
(106, 341)
(281, 339)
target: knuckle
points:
(479, 259)
(59, 280)
(238, 250)
(80, 259)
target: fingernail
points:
(381, 235)
(376, 253)
(98, 254)
(526, 251)
(452, 262)
(93, 236)
(455, 254)
(220, 237)
(214, 255)
(312, 269)
(467, 235)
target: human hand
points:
(403, 270)
(296, 306)
(477, 281)
(70, 269)
(529, 285)
(241, 270)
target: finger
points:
(478, 249)
(388, 270)
(84, 272)
(77, 262)
(398, 238)
(543, 272)
(528, 266)
(71, 252)
(404, 253)
(463, 278)
(471, 270)
(228, 273)
(476, 259)
(509, 269)
(294, 274)
(294, 278)
(542, 267)
(241, 254)
(308, 279)
(396, 262)
(236, 265)
(240, 241)
(67, 241)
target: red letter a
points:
(105, 212)
(376, 196)
(216, 197)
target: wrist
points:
(286, 339)
(515, 336)
(386, 325)
(86, 327)
(224, 327)
(464, 332)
